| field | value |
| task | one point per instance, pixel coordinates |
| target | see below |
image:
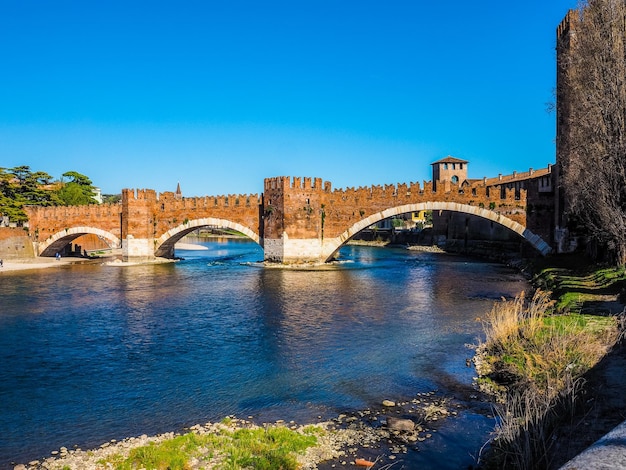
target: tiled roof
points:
(450, 159)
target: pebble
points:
(355, 431)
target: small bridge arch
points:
(164, 245)
(332, 246)
(59, 240)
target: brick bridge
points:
(294, 220)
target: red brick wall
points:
(47, 221)
(301, 207)
(147, 216)
(14, 243)
(343, 208)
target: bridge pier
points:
(292, 251)
(137, 249)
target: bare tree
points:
(592, 98)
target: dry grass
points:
(534, 359)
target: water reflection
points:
(91, 353)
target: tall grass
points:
(535, 360)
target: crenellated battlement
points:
(170, 199)
(566, 23)
(293, 213)
(295, 183)
(47, 222)
(139, 194)
(71, 212)
(387, 190)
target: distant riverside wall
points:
(15, 243)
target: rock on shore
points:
(382, 435)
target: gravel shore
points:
(35, 263)
(382, 435)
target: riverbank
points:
(37, 263)
(111, 258)
(556, 365)
(372, 438)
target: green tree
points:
(111, 198)
(77, 178)
(33, 191)
(78, 191)
(591, 112)
(19, 186)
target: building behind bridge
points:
(468, 233)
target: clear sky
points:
(218, 95)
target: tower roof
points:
(449, 159)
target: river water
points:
(90, 353)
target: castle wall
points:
(295, 218)
(147, 216)
(293, 207)
(15, 243)
(45, 222)
(347, 207)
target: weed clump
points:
(273, 447)
(531, 361)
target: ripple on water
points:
(95, 353)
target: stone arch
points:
(59, 240)
(164, 245)
(332, 245)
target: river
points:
(90, 353)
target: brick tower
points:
(293, 219)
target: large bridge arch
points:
(330, 246)
(164, 245)
(59, 240)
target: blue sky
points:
(218, 95)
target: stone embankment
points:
(382, 435)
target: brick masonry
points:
(295, 219)
(15, 243)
